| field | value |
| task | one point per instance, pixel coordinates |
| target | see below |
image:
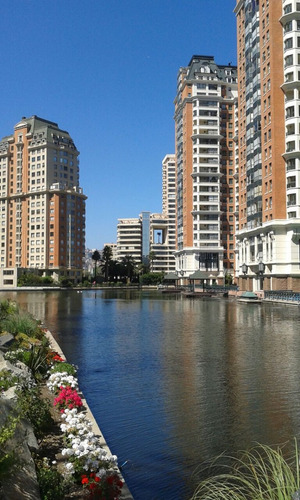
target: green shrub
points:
(7, 307)
(7, 458)
(36, 358)
(47, 280)
(20, 323)
(151, 278)
(7, 380)
(36, 410)
(65, 282)
(51, 482)
(29, 279)
(64, 367)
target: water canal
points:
(173, 381)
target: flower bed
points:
(77, 465)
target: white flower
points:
(101, 472)
(69, 468)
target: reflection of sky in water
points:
(173, 382)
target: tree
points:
(106, 259)
(129, 266)
(152, 278)
(151, 257)
(96, 257)
(114, 270)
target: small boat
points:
(249, 298)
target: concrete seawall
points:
(126, 495)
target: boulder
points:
(22, 483)
(5, 340)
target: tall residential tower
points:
(268, 239)
(205, 160)
(42, 206)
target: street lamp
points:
(244, 269)
(261, 270)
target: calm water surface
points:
(173, 381)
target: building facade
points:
(268, 236)
(169, 177)
(42, 205)
(153, 232)
(129, 239)
(205, 107)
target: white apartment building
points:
(205, 161)
(129, 239)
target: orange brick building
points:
(268, 201)
(41, 204)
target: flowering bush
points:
(82, 447)
(68, 398)
(84, 453)
(14, 355)
(61, 379)
(103, 488)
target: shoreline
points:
(125, 495)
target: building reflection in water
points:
(240, 367)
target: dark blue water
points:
(173, 382)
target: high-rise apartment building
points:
(41, 203)
(129, 239)
(169, 183)
(268, 236)
(151, 232)
(205, 160)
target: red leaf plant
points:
(105, 488)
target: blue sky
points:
(106, 72)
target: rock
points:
(20, 372)
(5, 340)
(10, 394)
(21, 484)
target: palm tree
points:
(151, 257)
(106, 259)
(114, 270)
(129, 266)
(96, 257)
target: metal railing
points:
(284, 295)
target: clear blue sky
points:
(106, 72)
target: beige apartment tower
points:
(41, 204)
(205, 115)
(153, 232)
(268, 171)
